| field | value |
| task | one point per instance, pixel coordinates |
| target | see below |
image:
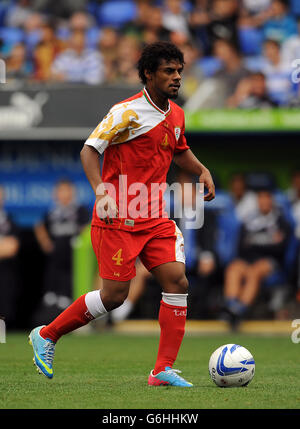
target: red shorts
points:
(117, 250)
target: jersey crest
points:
(177, 131)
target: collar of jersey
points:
(148, 98)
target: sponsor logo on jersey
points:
(129, 222)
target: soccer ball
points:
(231, 365)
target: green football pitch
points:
(109, 370)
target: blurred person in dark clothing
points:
(9, 282)
(223, 21)
(199, 245)
(62, 8)
(262, 244)
(251, 93)
(54, 235)
(211, 21)
(244, 200)
(294, 198)
(154, 29)
(233, 69)
(136, 27)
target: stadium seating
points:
(116, 13)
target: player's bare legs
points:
(172, 317)
(113, 293)
(86, 308)
(137, 288)
(171, 276)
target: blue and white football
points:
(231, 365)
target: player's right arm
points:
(115, 128)
(105, 205)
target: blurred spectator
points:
(45, 53)
(233, 69)
(199, 246)
(154, 29)
(128, 55)
(80, 21)
(54, 235)
(136, 27)
(62, 8)
(17, 66)
(9, 246)
(251, 93)
(198, 19)
(108, 44)
(278, 74)
(280, 25)
(32, 31)
(210, 22)
(294, 191)
(223, 21)
(263, 239)
(294, 197)
(244, 200)
(255, 6)
(78, 64)
(290, 49)
(276, 22)
(192, 75)
(174, 17)
(34, 22)
(18, 13)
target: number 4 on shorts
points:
(117, 257)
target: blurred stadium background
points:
(67, 62)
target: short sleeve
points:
(115, 128)
(181, 145)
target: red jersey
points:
(138, 140)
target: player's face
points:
(166, 80)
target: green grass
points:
(107, 371)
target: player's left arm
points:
(191, 164)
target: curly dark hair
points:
(153, 54)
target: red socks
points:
(71, 318)
(172, 325)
